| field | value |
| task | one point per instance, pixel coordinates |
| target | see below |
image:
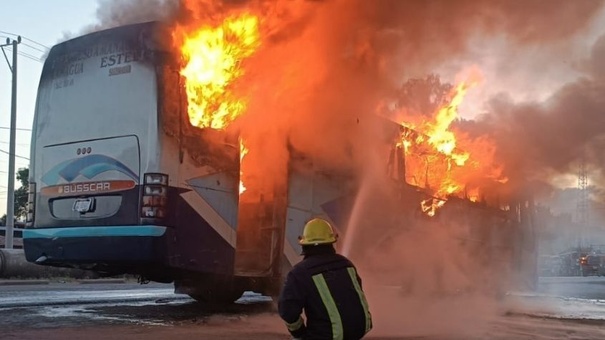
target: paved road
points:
(58, 304)
(84, 293)
(133, 311)
(125, 311)
(573, 287)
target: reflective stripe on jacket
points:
(329, 290)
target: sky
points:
(39, 23)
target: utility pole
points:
(582, 204)
(10, 199)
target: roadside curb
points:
(100, 281)
(23, 282)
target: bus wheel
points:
(217, 295)
(209, 289)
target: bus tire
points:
(216, 296)
(209, 288)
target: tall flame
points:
(213, 57)
(440, 136)
(436, 161)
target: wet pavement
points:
(63, 304)
(72, 310)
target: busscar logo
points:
(84, 188)
(87, 188)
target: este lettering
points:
(119, 58)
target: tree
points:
(422, 95)
(20, 195)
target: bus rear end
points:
(95, 199)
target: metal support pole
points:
(10, 200)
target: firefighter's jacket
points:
(328, 289)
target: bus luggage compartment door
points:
(260, 232)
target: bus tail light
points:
(31, 204)
(155, 195)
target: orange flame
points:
(440, 136)
(473, 194)
(243, 150)
(213, 57)
(430, 206)
(436, 162)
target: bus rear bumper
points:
(111, 248)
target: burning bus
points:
(118, 186)
(127, 176)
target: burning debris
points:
(434, 160)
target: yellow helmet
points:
(317, 231)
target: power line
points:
(27, 55)
(28, 45)
(36, 48)
(18, 160)
(2, 161)
(39, 60)
(22, 144)
(24, 38)
(19, 129)
(15, 155)
(30, 56)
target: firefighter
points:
(327, 287)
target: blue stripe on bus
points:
(99, 231)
